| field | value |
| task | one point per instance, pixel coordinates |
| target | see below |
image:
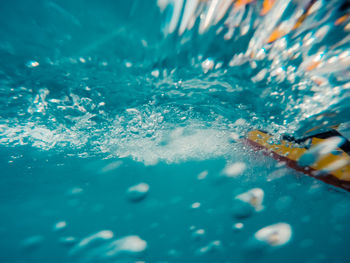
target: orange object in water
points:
(313, 65)
(276, 34)
(306, 12)
(267, 5)
(342, 19)
(240, 3)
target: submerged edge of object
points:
(327, 177)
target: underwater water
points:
(122, 127)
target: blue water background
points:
(102, 156)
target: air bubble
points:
(235, 169)
(207, 65)
(275, 235)
(247, 203)
(137, 192)
(91, 241)
(32, 64)
(60, 226)
(126, 245)
(195, 205)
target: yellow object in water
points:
(324, 156)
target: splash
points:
(295, 52)
(219, 69)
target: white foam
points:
(140, 133)
(197, 144)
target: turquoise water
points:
(121, 132)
